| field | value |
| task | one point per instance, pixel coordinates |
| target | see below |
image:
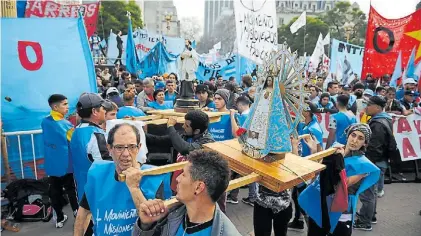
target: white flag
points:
(300, 22)
(217, 46)
(326, 40)
(318, 52)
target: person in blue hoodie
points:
(340, 121)
(56, 133)
(382, 145)
(325, 105)
(107, 197)
(361, 174)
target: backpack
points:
(28, 200)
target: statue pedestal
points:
(186, 104)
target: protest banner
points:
(407, 132)
(50, 9)
(144, 42)
(386, 38)
(350, 58)
(33, 53)
(256, 27)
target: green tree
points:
(343, 13)
(312, 30)
(113, 16)
(418, 6)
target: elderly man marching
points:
(109, 200)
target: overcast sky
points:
(387, 8)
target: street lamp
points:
(168, 16)
(349, 29)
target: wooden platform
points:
(278, 175)
(159, 117)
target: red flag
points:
(386, 37)
(46, 8)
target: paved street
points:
(398, 215)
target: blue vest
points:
(56, 147)
(170, 97)
(242, 118)
(312, 128)
(111, 204)
(309, 199)
(79, 154)
(329, 105)
(129, 111)
(166, 105)
(204, 232)
(221, 130)
(343, 120)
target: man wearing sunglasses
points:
(107, 197)
(408, 102)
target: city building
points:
(213, 10)
(287, 10)
(161, 17)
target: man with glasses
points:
(109, 200)
(88, 140)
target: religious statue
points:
(280, 93)
(189, 64)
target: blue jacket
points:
(56, 133)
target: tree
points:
(190, 29)
(113, 16)
(312, 30)
(418, 6)
(344, 13)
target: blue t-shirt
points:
(170, 97)
(340, 121)
(313, 128)
(164, 106)
(129, 111)
(241, 118)
(221, 130)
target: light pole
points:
(349, 29)
(168, 17)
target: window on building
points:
(305, 7)
(314, 7)
(281, 21)
(327, 8)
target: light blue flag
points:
(397, 73)
(193, 44)
(132, 60)
(410, 67)
(40, 57)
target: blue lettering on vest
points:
(221, 130)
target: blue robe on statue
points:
(310, 201)
(111, 204)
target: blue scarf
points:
(309, 199)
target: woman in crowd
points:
(275, 209)
(361, 174)
(160, 103)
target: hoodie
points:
(378, 146)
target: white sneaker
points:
(380, 194)
(61, 223)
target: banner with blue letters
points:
(350, 58)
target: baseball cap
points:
(112, 90)
(368, 92)
(409, 81)
(409, 92)
(159, 85)
(202, 88)
(377, 100)
(92, 100)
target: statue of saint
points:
(188, 67)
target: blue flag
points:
(40, 57)
(397, 73)
(410, 67)
(132, 61)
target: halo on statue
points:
(278, 107)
